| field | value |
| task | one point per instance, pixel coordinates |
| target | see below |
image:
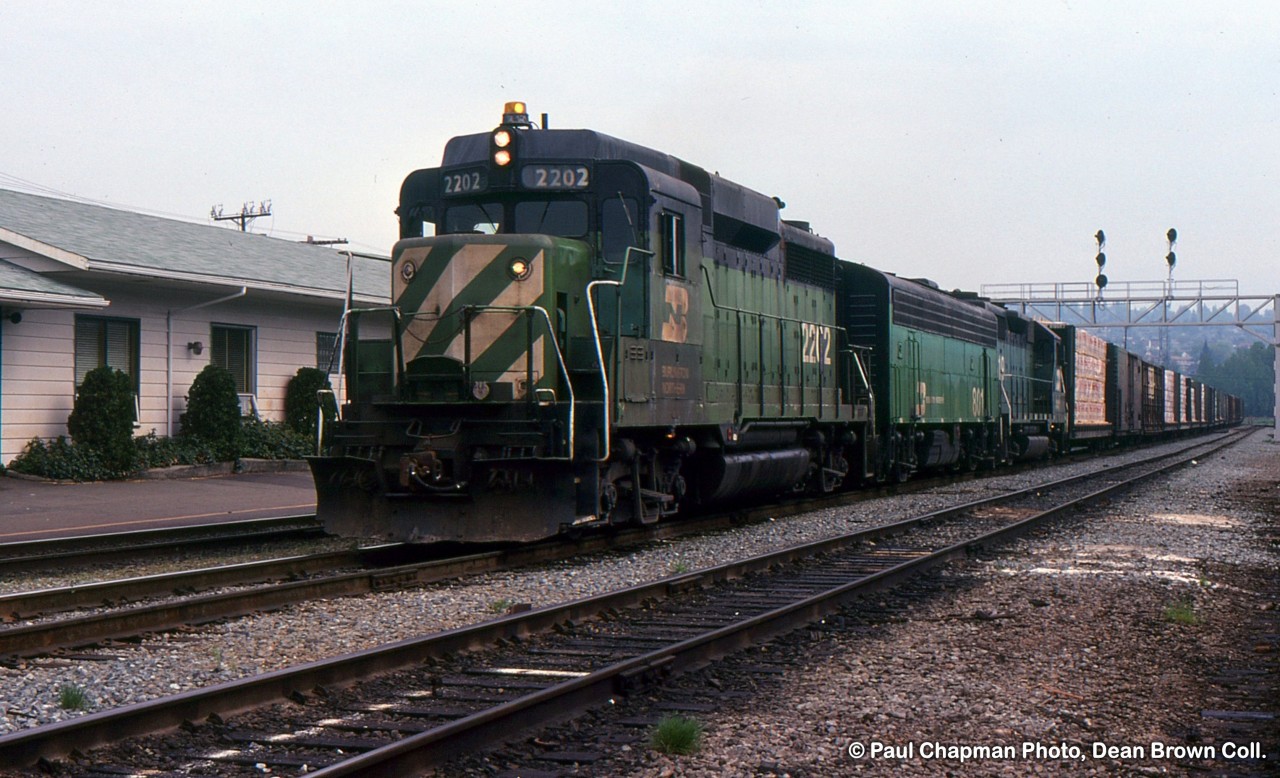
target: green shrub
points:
(273, 440)
(213, 412)
(154, 451)
(103, 417)
(301, 400)
(63, 460)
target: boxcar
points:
(1084, 371)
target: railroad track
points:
(278, 583)
(131, 607)
(454, 692)
(80, 551)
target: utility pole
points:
(248, 213)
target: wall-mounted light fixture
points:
(195, 347)
(15, 317)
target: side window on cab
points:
(618, 217)
(671, 226)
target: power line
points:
(19, 184)
(248, 213)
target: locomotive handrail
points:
(856, 352)
(381, 308)
(595, 337)
(564, 369)
(345, 335)
(320, 395)
(350, 312)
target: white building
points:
(82, 286)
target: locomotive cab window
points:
(417, 221)
(481, 218)
(672, 227)
(618, 216)
(562, 218)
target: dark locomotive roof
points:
(738, 215)
(572, 144)
(748, 233)
(921, 307)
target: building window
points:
(103, 341)
(672, 244)
(325, 343)
(232, 348)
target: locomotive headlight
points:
(502, 157)
(407, 270)
(519, 268)
(502, 138)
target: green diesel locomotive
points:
(583, 332)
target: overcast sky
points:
(968, 142)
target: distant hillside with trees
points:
(1246, 372)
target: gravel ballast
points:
(1031, 604)
(1150, 623)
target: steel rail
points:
(25, 605)
(23, 556)
(54, 740)
(384, 569)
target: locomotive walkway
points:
(35, 509)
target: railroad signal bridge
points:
(1148, 304)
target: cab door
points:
(677, 310)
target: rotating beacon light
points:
(504, 140)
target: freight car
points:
(588, 332)
(1115, 397)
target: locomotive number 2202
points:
(460, 183)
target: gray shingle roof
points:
(122, 241)
(21, 285)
